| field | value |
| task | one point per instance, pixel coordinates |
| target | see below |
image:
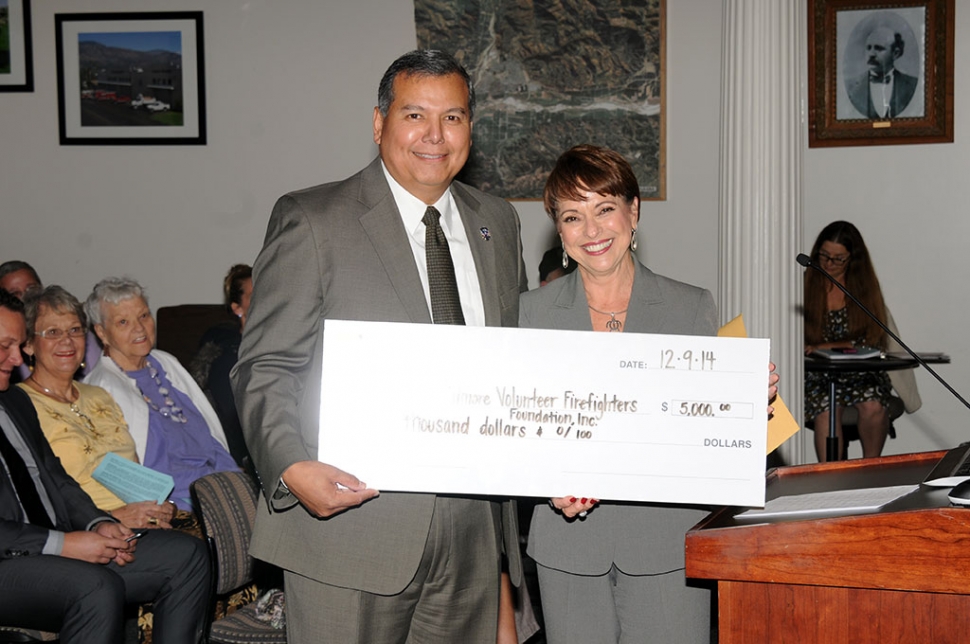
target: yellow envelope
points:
(782, 425)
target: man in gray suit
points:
(359, 566)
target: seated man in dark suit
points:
(64, 564)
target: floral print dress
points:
(850, 387)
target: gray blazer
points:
(638, 538)
(341, 251)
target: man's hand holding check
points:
(325, 490)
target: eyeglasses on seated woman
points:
(82, 422)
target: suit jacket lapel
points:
(383, 225)
(572, 309)
(646, 312)
(9, 505)
(483, 251)
(20, 421)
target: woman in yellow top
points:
(82, 422)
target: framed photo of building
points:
(880, 72)
(16, 54)
(131, 78)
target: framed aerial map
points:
(549, 75)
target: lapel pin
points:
(485, 234)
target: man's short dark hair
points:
(899, 45)
(422, 62)
(10, 302)
(15, 265)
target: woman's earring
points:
(633, 240)
(565, 257)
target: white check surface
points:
(525, 412)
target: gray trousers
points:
(616, 608)
(453, 597)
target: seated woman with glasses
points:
(833, 321)
(82, 422)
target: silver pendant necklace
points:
(613, 324)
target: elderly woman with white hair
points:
(175, 429)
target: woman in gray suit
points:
(612, 572)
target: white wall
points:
(290, 89)
(911, 202)
(290, 100)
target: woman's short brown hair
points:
(589, 168)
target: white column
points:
(760, 214)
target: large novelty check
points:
(525, 412)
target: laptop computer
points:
(952, 469)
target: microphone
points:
(807, 262)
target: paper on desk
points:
(847, 353)
(831, 502)
(132, 482)
(782, 425)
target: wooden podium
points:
(896, 576)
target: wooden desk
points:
(899, 575)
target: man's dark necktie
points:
(24, 484)
(445, 302)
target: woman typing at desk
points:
(831, 322)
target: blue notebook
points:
(132, 482)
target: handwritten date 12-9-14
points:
(702, 360)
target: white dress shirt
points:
(881, 95)
(412, 212)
